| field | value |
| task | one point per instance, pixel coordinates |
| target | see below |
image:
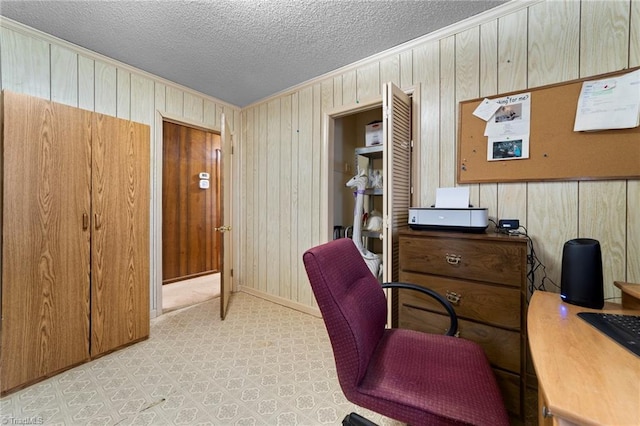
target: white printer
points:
(451, 212)
(467, 219)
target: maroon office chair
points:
(414, 377)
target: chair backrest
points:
(352, 303)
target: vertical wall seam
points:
(116, 89)
(131, 97)
(580, 41)
(77, 80)
(528, 54)
(626, 218)
(629, 36)
(455, 102)
(93, 62)
(50, 73)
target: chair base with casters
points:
(354, 419)
(414, 377)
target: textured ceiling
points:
(240, 51)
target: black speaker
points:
(581, 282)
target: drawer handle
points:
(453, 297)
(546, 413)
(453, 259)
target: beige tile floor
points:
(264, 365)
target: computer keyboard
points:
(624, 329)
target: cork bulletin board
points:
(556, 152)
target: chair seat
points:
(443, 388)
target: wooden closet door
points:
(45, 239)
(120, 239)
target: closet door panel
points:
(397, 169)
(45, 239)
(120, 239)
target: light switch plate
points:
(204, 184)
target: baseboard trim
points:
(282, 301)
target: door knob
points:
(223, 228)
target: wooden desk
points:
(630, 294)
(584, 377)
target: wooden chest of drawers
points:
(484, 277)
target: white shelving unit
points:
(345, 128)
(370, 158)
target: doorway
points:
(190, 211)
(180, 294)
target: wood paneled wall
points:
(529, 45)
(40, 65)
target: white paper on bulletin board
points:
(610, 103)
(513, 117)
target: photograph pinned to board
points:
(610, 103)
(508, 148)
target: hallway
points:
(185, 293)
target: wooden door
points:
(45, 239)
(396, 106)
(190, 246)
(120, 240)
(226, 228)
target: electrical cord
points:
(533, 262)
(534, 265)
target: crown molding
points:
(481, 18)
(460, 26)
(18, 27)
